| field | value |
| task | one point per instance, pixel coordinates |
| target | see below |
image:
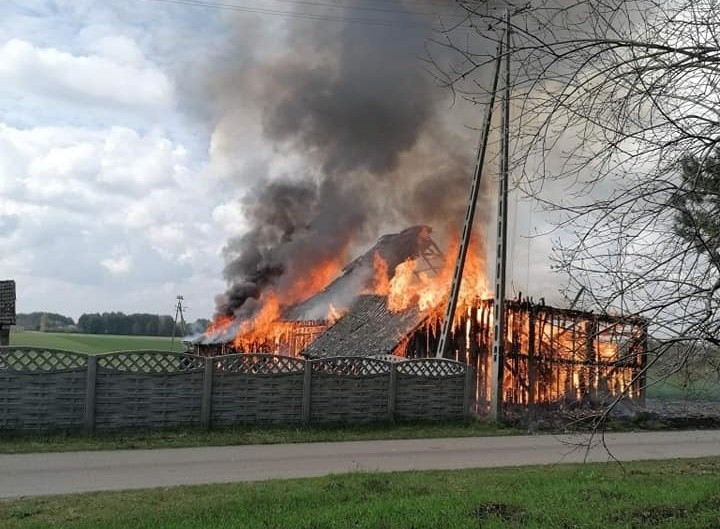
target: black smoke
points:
(354, 102)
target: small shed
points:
(7, 310)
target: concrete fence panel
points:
(149, 389)
(256, 389)
(430, 389)
(44, 389)
(41, 388)
(349, 389)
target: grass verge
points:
(70, 441)
(669, 494)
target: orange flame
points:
(429, 290)
(381, 281)
(221, 323)
(310, 284)
(562, 356)
(265, 328)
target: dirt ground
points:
(655, 415)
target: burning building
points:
(378, 149)
(389, 303)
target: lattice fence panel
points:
(148, 400)
(349, 398)
(351, 366)
(153, 362)
(432, 368)
(429, 398)
(42, 400)
(239, 398)
(259, 364)
(34, 359)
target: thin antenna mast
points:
(469, 214)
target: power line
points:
(293, 14)
(369, 8)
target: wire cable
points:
(293, 14)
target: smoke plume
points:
(353, 103)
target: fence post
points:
(392, 392)
(206, 400)
(91, 375)
(307, 391)
(468, 391)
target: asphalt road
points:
(61, 473)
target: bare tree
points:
(616, 129)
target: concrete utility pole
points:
(469, 215)
(498, 355)
(178, 314)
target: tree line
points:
(139, 324)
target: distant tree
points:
(53, 322)
(142, 324)
(152, 325)
(166, 325)
(91, 323)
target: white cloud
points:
(119, 49)
(119, 263)
(116, 80)
(114, 208)
(168, 240)
(103, 209)
(141, 162)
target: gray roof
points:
(368, 329)
(7, 302)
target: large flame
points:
(555, 359)
(428, 290)
(413, 284)
(311, 283)
(265, 330)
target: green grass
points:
(668, 494)
(92, 343)
(64, 442)
(697, 386)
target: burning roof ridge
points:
(406, 244)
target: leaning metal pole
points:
(498, 355)
(469, 214)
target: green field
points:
(669, 494)
(92, 343)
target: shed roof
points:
(368, 329)
(7, 302)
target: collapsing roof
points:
(342, 294)
(357, 277)
(368, 329)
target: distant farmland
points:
(92, 343)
